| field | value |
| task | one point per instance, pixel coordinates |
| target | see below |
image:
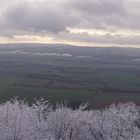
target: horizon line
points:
(73, 45)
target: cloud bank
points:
(104, 22)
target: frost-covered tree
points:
(19, 121)
(15, 121)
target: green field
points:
(71, 97)
(101, 79)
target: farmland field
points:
(72, 74)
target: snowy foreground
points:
(19, 121)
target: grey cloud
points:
(55, 17)
(28, 16)
(100, 14)
(108, 14)
(99, 7)
(19, 17)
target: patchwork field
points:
(72, 74)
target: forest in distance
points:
(65, 73)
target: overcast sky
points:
(79, 22)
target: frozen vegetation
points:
(39, 121)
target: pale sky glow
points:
(77, 22)
(93, 32)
